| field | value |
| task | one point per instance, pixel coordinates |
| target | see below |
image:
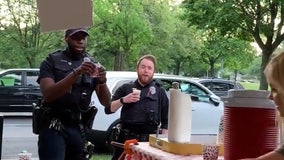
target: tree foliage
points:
(260, 20)
(120, 30)
(123, 30)
(20, 32)
(126, 29)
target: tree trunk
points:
(212, 70)
(235, 75)
(125, 58)
(265, 58)
(117, 61)
(177, 68)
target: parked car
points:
(207, 108)
(220, 86)
(18, 89)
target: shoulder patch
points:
(152, 90)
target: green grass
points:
(250, 85)
(97, 156)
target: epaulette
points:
(158, 82)
(58, 51)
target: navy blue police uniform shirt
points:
(152, 97)
(57, 66)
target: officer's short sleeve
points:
(46, 68)
(117, 95)
(120, 92)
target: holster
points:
(87, 118)
(40, 116)
(116, 132)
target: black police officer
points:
(67, 93)
(141, 114)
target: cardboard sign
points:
(64, 14)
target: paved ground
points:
(28, 114)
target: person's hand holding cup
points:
(96, 72)
(100, 73)
(133, 96)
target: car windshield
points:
(189, 88)
(11, 79)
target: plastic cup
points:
(96, 73)
(210, 151)
(136, 91)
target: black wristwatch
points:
(121, 100)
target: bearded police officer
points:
(67, 84)
(142, 112)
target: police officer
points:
(140, 114)
(67, 84)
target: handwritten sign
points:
(63, 14)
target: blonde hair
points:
(275, 70)
(150, 57)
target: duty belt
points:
(139, 128)
(128, 134)
(67, 117)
